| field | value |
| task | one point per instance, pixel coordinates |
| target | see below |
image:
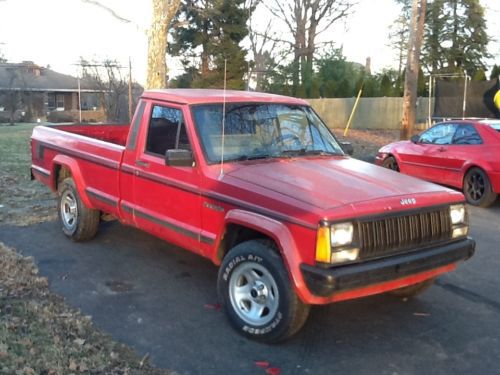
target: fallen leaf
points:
(79, 342)
(273, 371)
(144, 360)
(72, 365)
(83, 367)
(209, 306)
(421, 314)
(263, 364)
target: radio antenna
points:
(223, 123)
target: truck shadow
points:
(162, 300)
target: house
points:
(29, 92)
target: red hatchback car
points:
(462, 154)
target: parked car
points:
(461, 154)
(257, 184)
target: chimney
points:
(368, 69)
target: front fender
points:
(283, 238)
(76, 174)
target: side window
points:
(467, 135)
(166, 131)
(441, 134)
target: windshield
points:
(495, 126)
(254, 131)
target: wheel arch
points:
(241, 225)
(64, 166)
(467, 167)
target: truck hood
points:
(330, 182)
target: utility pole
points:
(412, 68)
(130, 114)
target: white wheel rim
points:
(253, 293)
(69, 210)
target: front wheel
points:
(391, 163)
(257, 295)
(78, 222)
(477, 188)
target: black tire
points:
(477, 188)
(391, 163)
(257, 263)
(78, 222)
(413, 290)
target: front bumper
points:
(324, 282)
(379, 159)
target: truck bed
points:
(113, 133)
(92, 152)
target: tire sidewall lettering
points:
(262, 331)
(237, 260)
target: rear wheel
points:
(413, 290)
(78, 222)
(391, 163)
(257, 295)
(477, 188)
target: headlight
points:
(334, 243)
(457, 214)
(341, 234)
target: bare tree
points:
(12, 97)
(264, 48)
(106, 77)
(305, 20)
(412, 67)
(164, 12)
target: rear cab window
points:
(467, 135)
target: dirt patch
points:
(39, 334)
(366, 143)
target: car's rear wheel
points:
(391, 163)
(257, 295)
(413, 290)
(477, 188)
(78, 221)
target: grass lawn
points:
(22, 201)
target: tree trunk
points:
(412, 67)
(163, 13)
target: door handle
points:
(441, 149)
(141, 163)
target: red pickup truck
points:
(260, 186)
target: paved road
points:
(153, 297)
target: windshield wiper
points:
(251, 157)
(303, 151)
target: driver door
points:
(427, 158)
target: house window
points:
(55, 101)
(51, 101)
(60, 102)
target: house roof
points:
(28, 76)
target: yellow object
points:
(496, 100)
(352, 112)
(323, 248)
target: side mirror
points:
(179, 158)
(347, 147)
(415, 138)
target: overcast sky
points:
(58, 32)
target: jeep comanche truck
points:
(259, 185)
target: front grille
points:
(390, 235)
